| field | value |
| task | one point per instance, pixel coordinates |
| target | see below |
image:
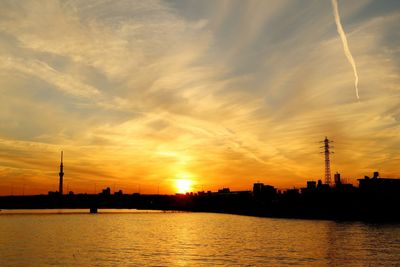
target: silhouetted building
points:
(61, 174)
(259, 189)
(224, 190)
(119, 193)
(106, 192)
(337, 179)
(379, 184)
(322, 187)
(311, 185)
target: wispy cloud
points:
(229, 92)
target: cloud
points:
(45, 72)
(228, 92)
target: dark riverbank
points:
(330, 205)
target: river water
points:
(140, 238)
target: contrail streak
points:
(345, 44)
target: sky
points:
(140, 94)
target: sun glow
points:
(183, 186)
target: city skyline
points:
(221, 94)
(184, 185)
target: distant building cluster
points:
(107, 192)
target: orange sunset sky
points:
(140, 94)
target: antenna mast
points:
(61, 174)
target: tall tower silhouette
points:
(327, 152)
(61, 174)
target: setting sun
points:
(183, 186)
